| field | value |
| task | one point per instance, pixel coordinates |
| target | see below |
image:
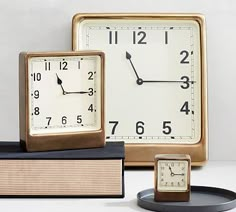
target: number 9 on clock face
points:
(155, 78)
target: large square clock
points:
(156, 89)
(61, 100)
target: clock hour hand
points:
(59, 82)
(171, 172)
(139, 81)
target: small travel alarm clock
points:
(172, 178)
(61, 100)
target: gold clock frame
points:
(143, 154)
(56, 141)
(172, 196)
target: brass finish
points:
(181, 196)
(57, 141)
(143, 154)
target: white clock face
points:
(172, 175)
(153, 78)
(64, 94)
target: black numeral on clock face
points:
(63, 65)
(166, 127)
(47, 66)
(140, 127)
(90, 75)
(185, 108)
(185, 82)
(115, 123)
(49, 120)
(64, 120)
(90, 108)
(36, 111)
(185, 57)
(113, 37)
(79, 119)
(90, 91)
(37, 77)
(166, 37)
(36, 94)
(141, 35)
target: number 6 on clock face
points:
(156, 81)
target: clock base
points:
(172, 196)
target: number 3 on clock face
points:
(155, 80)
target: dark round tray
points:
(203, 199)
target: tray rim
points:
(204, 208)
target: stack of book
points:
(97, 172)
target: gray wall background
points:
(36, 25)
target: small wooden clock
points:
(61, 100)
(155, 76)
(172, 178)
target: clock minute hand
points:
(77, 92)
(180, 174)
(128, 57)
(166, 81)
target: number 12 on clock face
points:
(154, 76)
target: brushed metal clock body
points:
(156, 85)
(61, 100)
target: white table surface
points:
(215, 173)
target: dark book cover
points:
(112, 150)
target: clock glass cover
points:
(64, 94)
(153, 78)
(172, 175)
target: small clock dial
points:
(172, 175)
(64, 94)
(153, 78)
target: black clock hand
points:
(59, 82)
(165, 81)
(180, 174)
(78, 92)
(171, 172)
(139, 80)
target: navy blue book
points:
(96, 172)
